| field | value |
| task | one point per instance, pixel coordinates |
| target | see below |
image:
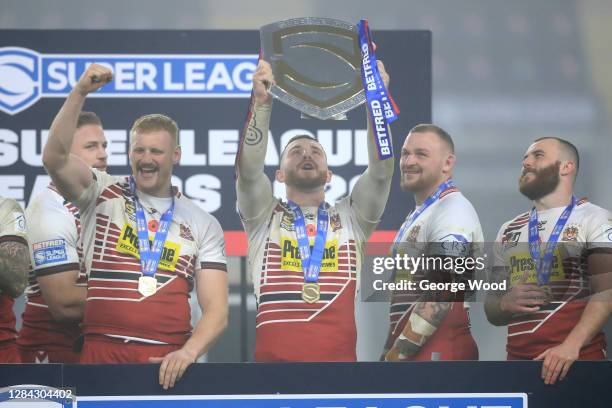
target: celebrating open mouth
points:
(147, 171)
(525, 173)
(411, 171)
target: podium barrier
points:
(418, 384)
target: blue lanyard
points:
(311, 261)
(149, 257)
(381, 106)
(418, 211)
(543, 264)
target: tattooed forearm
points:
(254, 135)
(406, 348)
(14, 267)
(433, 312)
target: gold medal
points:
(147, 285)
(311, 292)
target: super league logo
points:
(27, 76)
(19, 79)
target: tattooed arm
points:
(14, 251)
(422, 323)
(14, 266)
(253, 187)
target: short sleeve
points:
(12, 220)
(453, 230)
(211, 251)
(87, 201)
(52, 237)
(498, 268)
(599, 232)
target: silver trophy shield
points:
(316, 64)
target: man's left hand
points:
(173, 366)
(557, 362)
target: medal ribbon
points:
(311, 261)
(418, 211)
(149, 256)
(381, 106)
(543, 263)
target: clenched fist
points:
(262, 80)
(94, 78)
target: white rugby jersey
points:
(448, 227)
(288, 328)
(12, 219)
(587, 230)
(112, 261)
(53, 236)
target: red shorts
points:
(9, 353)
(455, 345)
(100, 349)
(48, 355)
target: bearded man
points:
(305, 297)
(555, 259)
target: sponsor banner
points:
(30, 75)
(202, 79)
(433, 400)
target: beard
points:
(544, 182)
(310, 182)
(419, 182)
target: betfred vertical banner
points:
(202, 79)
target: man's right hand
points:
(262, 80)
(94, 78)
(524, 298)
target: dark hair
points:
(293, 139)
(567, 147)
(88, 118)
(442, 134)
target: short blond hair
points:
(154, 122)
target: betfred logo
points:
(26, 76)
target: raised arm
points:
(369, 196)
(69, 173)
(253, 187)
